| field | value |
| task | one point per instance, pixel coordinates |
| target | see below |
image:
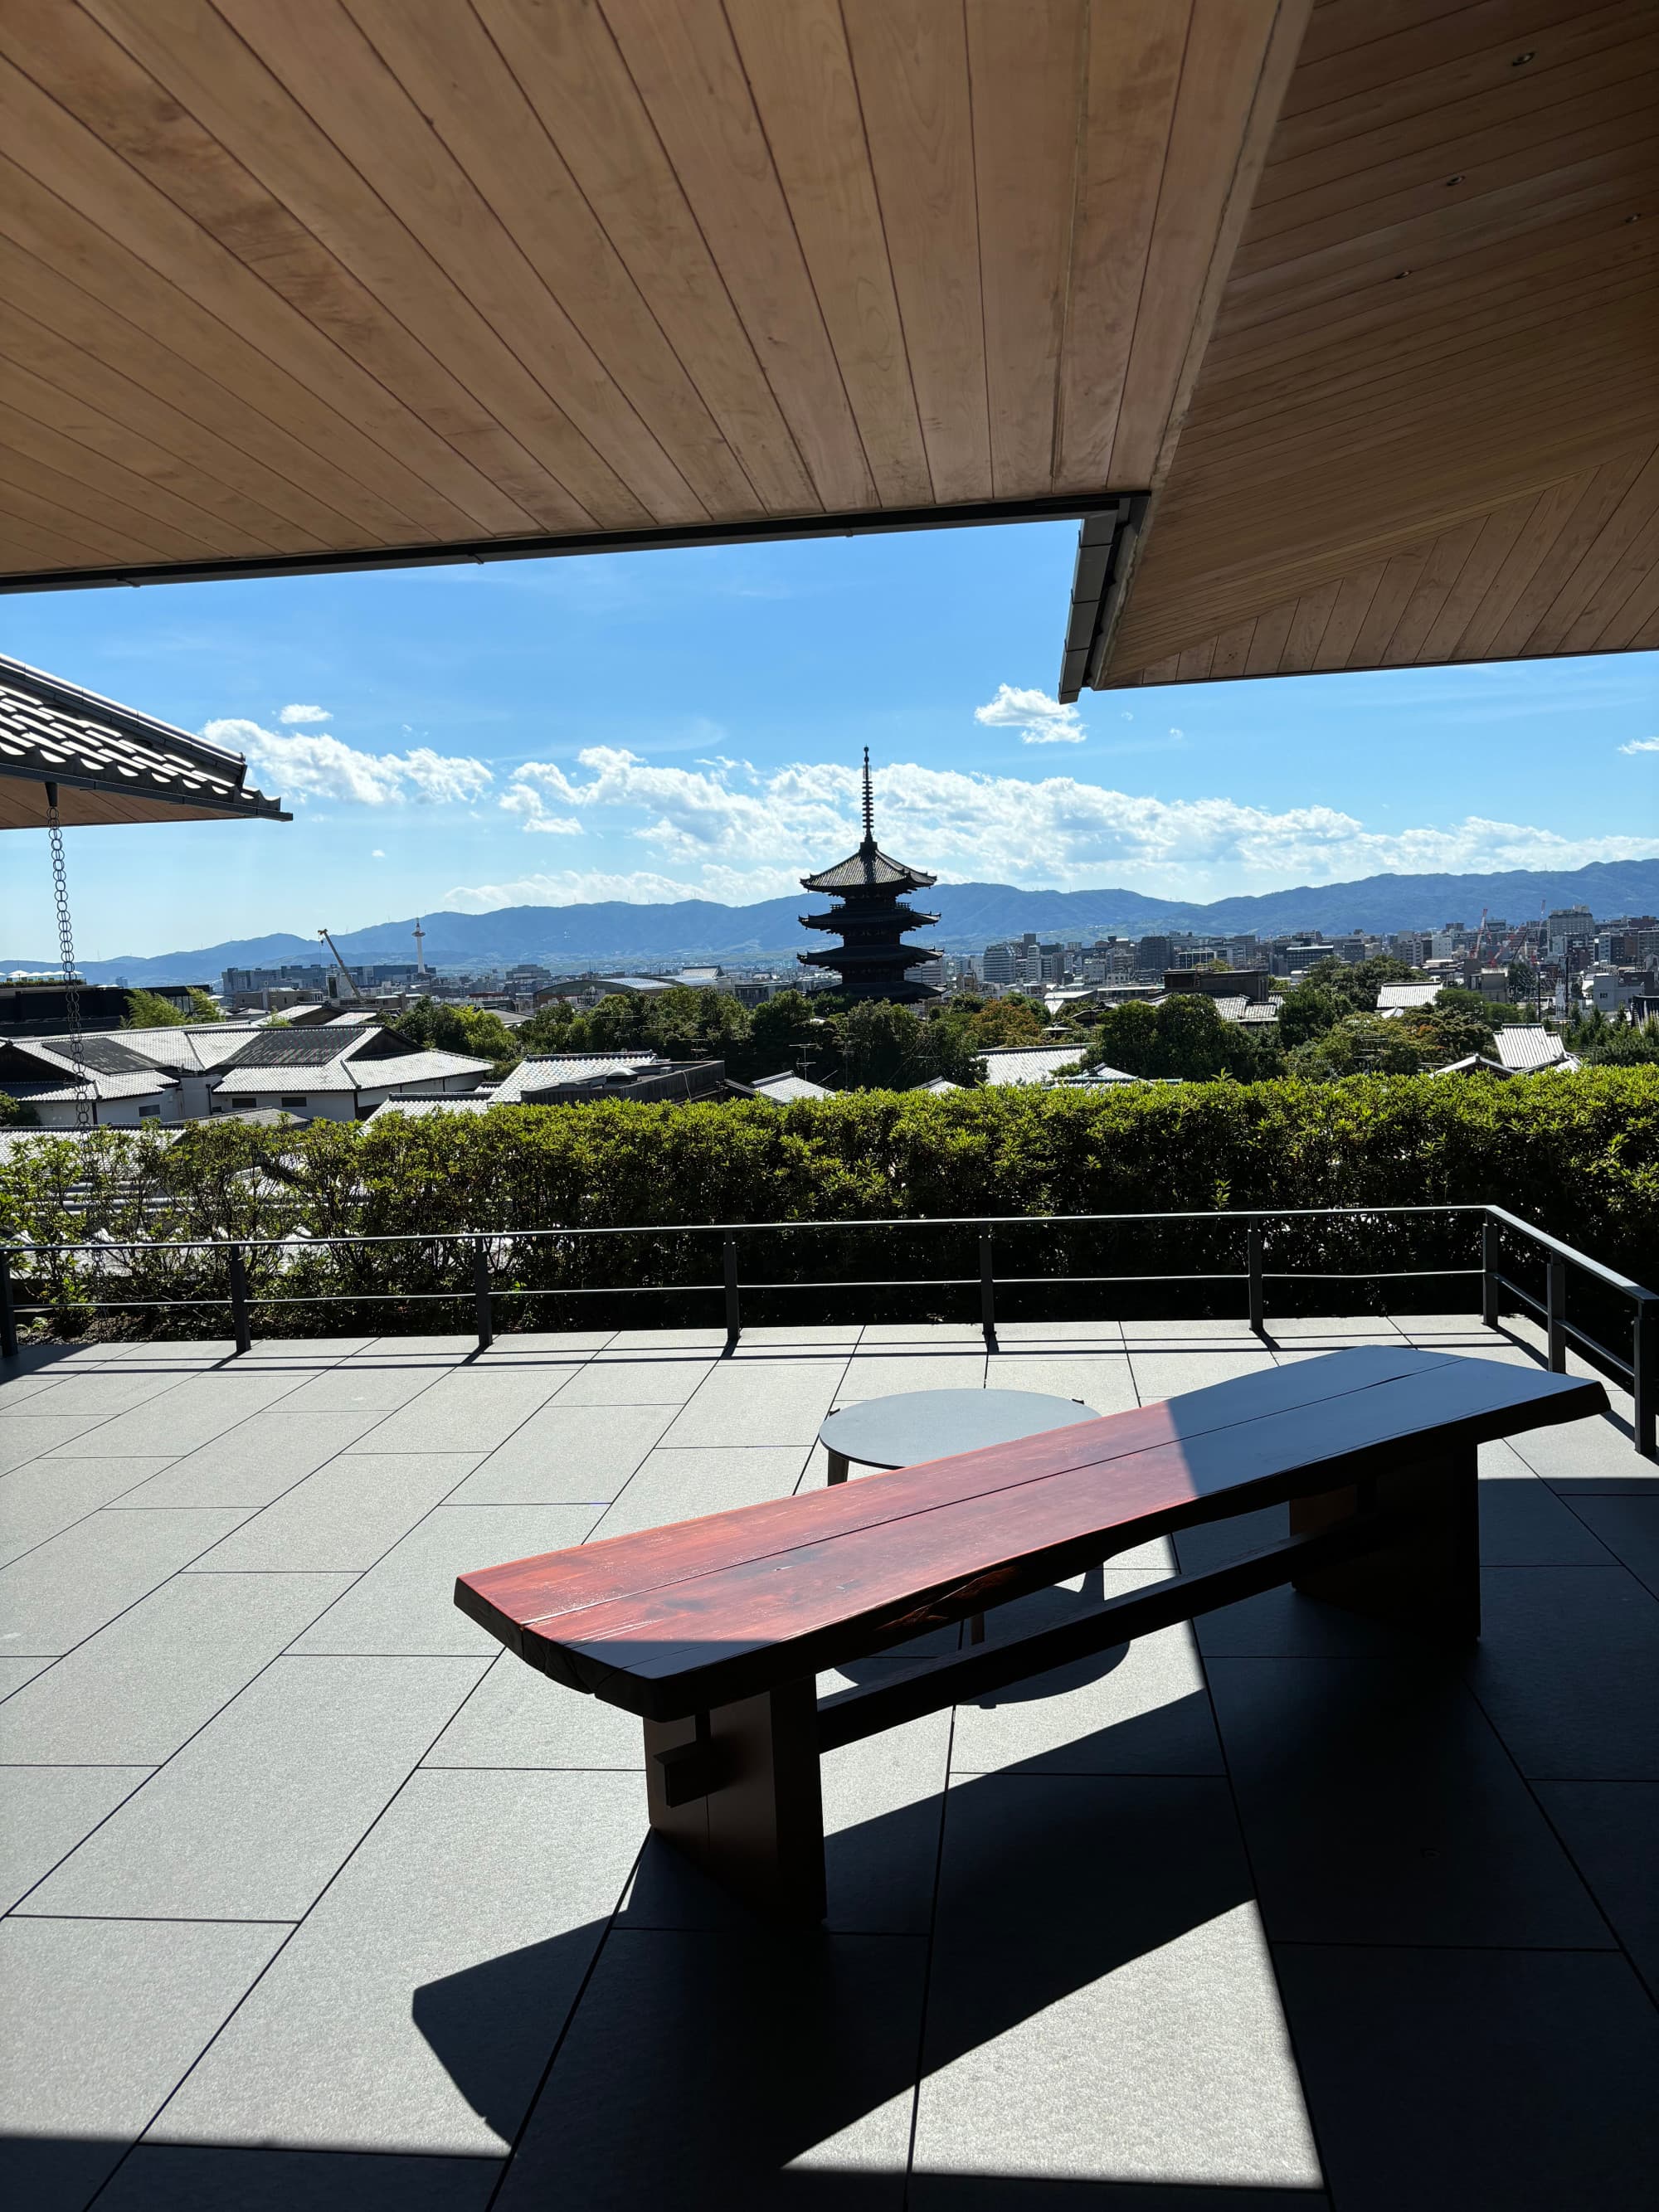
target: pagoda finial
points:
(869, 804)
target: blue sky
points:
(660, 725)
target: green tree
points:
(431, 1025)
(1624, 1044)
(1127, 1038)
(883, 1047)
(148, 1009)
(1309, 1010)
(17, 1113)
(547, 1029)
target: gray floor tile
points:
(1629, 1528)
(405, 1606)
(1168, 1374)
(651, 1341)
(67, 1588)
(1524, 1524)
(517, 1717)
(196, 1410)
(18, 1385)
(257, 1462)
(1519, 2080)
(134, 1692)
(99, 1393)
(1611, 1831)
(14, 1672)
(566, 1456)
(1379, 1807)
(47, 1495)
(417, 2007)
(894, 1374)
(28, 1436)
(1137, 1709)
(344, 1517)
(1587, 1456)
(512, 1344)
(922, 1335)
(443, 1345)
(1222, 1330)
(1565, 1670)
(773, 1402)
(1062, 1337)
(45, 1811)
(636, 1379)
(778, 2070)
(468, 1412)
(260, 1810)
(1102, 1380)
(802, 1337)
(683, 1486)
(101, 2019)
(1336, 1328)
(195, 2177)
(1101, 2005)
(366, 1385)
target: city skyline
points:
(656, 727)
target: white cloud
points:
(377, 854)
(1641, 745)
(526, 804)
(1175, 733)
(755, 841)
(290, 714)
(1040, 719)
(317, 766)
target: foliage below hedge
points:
(1577, 1154)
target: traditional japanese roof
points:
(869, 868)
(785, 1090)
(32, 1069)
(1033, 1063)
(1404, 997)
(109, 763)
(572, 1067)
(347, 1071)
(192, 1050)
(1524, 1048)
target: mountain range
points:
(615, 936)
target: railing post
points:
(733, 1304)
(987, 1287)
(237, 1269)
(1258, 1286)
(480, 1294)
(8, 1310)
(1555, 1313)
(1645, 1359)
(1489, 1256)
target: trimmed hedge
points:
(1577, 1154)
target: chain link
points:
(66, 954)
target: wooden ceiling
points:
(1362, 293)
(1426, 426)
(302, 278)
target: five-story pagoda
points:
(872, 959)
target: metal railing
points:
(1639, 1372)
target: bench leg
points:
(837, 1465)
(758, 1831)
(1430, 1578)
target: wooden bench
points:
(712, 1631)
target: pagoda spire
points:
(873, 961)
(869, 803)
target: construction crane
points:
(350, 990)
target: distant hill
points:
(615, 936)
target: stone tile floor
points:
(316, 1899)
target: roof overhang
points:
(1333, 326)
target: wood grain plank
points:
(1606, 599)
(44, 495)
(1451, 35)
(1494, 628)
(1620, 532)
(29, 542)
(1313, 610)
(1133, 75)
(1232, 652)
(1193, 664)
(109, 351)
(1498, 532)
(1354, 594)
(177, 483)
(1628, 629)
(88, 214)
(454, 74)
(801, 76)
(1026, 67)
(685, 64)
(1221, 73)
(567, 63)
(911, 63)
(422, 257)
(1447, 559)
(1269, 639)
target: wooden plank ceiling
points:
(293, 280)
(1426, 425)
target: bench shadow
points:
(714, 2060)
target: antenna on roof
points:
(869, 804)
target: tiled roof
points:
(457, 1104)
(243, 1078)
(268, 1048)
(53, 731)
(1400, 998)
(574, 1067)
(1523, 1049)
(191, 1050)
(868, 866)
(781, 1090)
(414, 1068)
(1033, 1063)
